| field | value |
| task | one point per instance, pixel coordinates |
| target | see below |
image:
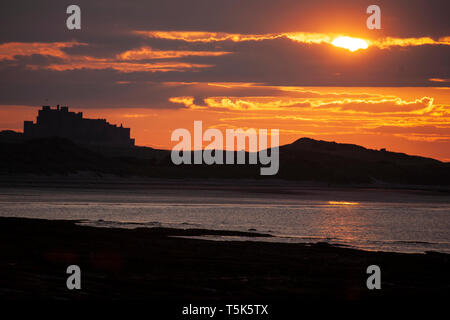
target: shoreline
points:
(314, 190)
(75, 196)
(155, 263)
(96, 180)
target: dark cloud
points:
(272, 62)
(106, 32)
(44, 20)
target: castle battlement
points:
(60, 122)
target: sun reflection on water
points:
(343, 203)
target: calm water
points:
(372, 220)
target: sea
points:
(363, 218)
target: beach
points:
(162, 264)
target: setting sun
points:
(349, 43)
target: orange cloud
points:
(302, 37)
(127, 61)
(149, 53)
(10, 49)
(187, 101)
(204, 36)
(408, 42)
(438, 80)
(97, 64)
(378, 105)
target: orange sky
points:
(308, 68)
(410, 120)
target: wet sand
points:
(158, 264)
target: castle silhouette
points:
(60, 122)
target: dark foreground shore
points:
(156, 264)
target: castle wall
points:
(60, 122)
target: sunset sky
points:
(156, 66)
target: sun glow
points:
(349, 43)
(343, 203)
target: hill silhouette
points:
(309, 159)
(303, 160)
(353, 151)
